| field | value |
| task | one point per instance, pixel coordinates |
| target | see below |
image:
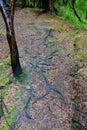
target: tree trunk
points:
(86, 14)
(8, 16)
(45, 5)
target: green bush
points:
(68, 14)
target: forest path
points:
(42, 53)
(44, 43)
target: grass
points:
(79, 57)
(53, 45)
(67, 13)
(4, 81)
(21, 79)
(74, 124)
(9, 119)
(2, 31)
(4, 65)
(80, 52)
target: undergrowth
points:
(6, 81)
(80, 52)
(2, 31)
(9, 118)
(53, 45)
(67, 13)
(79, 56)
(21, 79)
(4, 65)
(78, 59)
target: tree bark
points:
(8, 16)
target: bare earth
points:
(39, 101)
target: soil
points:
(44, 100)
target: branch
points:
(75, 12)
(5, 16)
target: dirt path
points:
(44, 98)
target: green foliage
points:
(31, 3)
(53, 45)
(4, 65)
(9, 118)
(79, 55)
(80, 52)
(78, 45)
(67, 13)
(22, 78)
(74, 124)
(4, 79)
(2, 31)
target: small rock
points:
(28, 87)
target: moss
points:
(4, 65)
(9, 118)
(4, 79)
(79, 58)
(4, 90)
(1, 111)
(2, 31)
(79, 53)
(78, 45)
(68, 14)
(74, 124)
(22, 78)
(53, 44)
(70, 34)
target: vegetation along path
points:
(43, 97)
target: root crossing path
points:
(43, 97)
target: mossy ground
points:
(5, 81)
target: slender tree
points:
(7, 11)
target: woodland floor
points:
(46, 44)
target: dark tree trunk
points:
(45, 5)
(8, 16)
(86, 14)
(24, 3)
